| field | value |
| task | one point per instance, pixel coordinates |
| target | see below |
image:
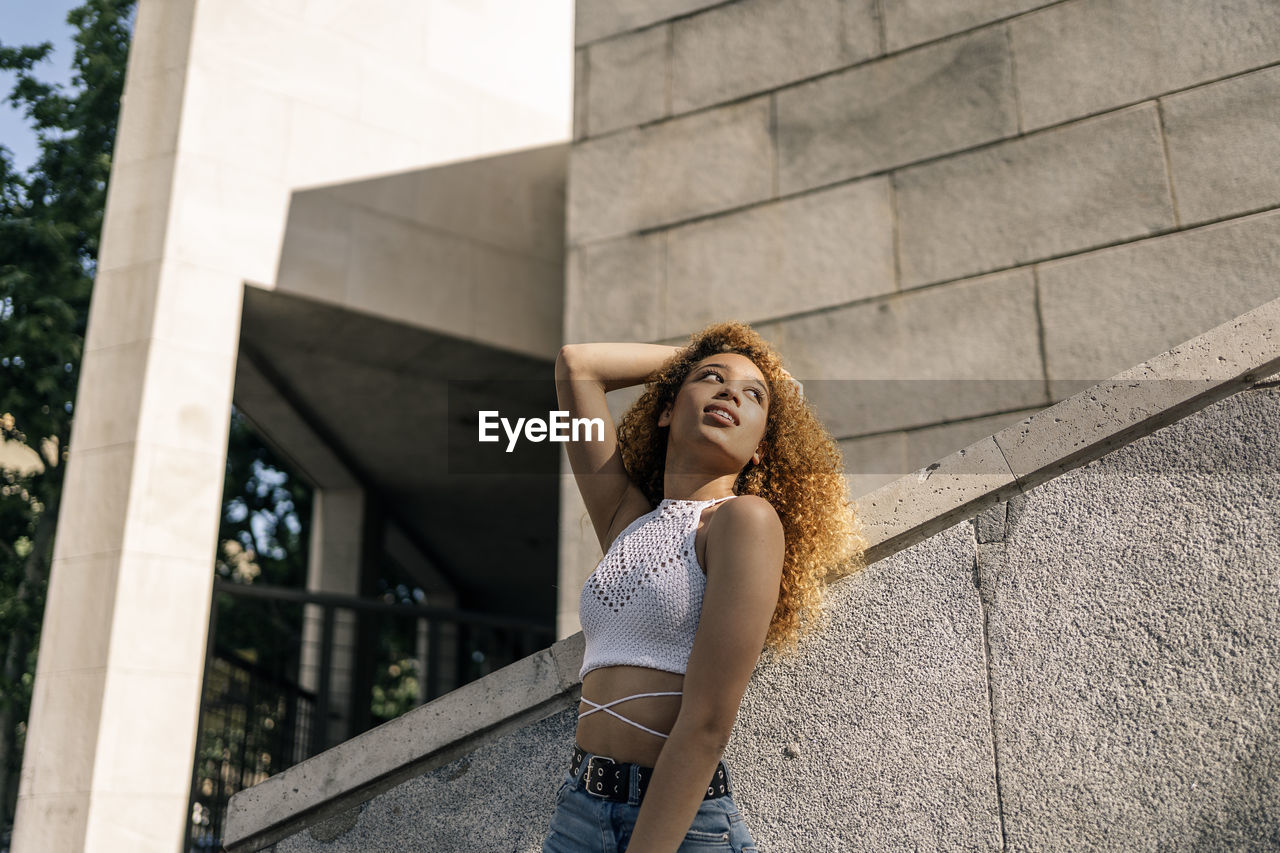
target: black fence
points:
(290, 673)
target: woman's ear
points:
(664, 417)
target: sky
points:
(25, 22)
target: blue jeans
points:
(584, 823)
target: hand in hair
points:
(795, 382)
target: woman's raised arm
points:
(584, 373)
(617, 365)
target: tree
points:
(50, 222)
(262, 538)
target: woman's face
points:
(723, 403)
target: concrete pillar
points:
(439, 593)
(228, 107)
(111, 736)
(337, 526)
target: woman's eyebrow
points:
(726, 368)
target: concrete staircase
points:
(1065, 639)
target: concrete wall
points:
(999, 196)
(1089, 665)
(472, 249)
(1130, 633)
(946, 215)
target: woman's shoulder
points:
(760, 504)
(750, 511)
(747, 530)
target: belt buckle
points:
(589, 775)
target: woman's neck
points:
(690, 487)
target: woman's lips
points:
(719, 416)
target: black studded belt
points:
(611, 780)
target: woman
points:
(721, 506)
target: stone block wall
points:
(1006, 198)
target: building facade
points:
(358, 220)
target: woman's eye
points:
(707, 373)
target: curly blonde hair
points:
(801, 474)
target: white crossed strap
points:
(606, 708)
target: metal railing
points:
(290, 673)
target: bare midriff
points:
(606, 735)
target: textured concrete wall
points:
(1091, 665)
(906, 190)
(1131, 611)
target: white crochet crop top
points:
(641, 604)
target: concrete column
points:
(439, 593)
(228, 107)
(333, 565)
(111, 736)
